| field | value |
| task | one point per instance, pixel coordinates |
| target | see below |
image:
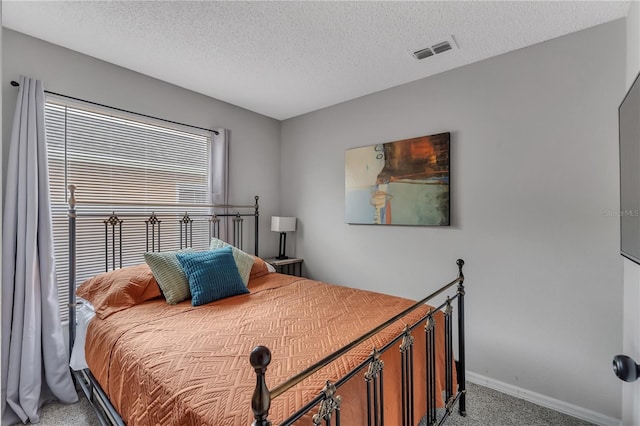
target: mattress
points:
(184, 365)
(84, 314)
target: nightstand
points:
(291, 266)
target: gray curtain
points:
(219, 177)
(34, 360)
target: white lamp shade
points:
(283, 224)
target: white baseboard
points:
(545, 401)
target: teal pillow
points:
(244, 261)
(168, 272)
(212, 275)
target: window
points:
(114, 157)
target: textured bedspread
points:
(184, 365)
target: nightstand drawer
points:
(291, 266)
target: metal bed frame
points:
(328, 402)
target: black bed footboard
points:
(327, 404)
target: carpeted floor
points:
(484, 407)
(489, 407)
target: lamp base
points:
(283, 245)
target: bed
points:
(289, 351)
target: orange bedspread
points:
(182, 365)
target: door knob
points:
(626, 368)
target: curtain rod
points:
(16, 84)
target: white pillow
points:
(244, 261)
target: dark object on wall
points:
(626, 368)
(629, 131)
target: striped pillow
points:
(212, 275)
(169, 274)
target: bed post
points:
(461, 362)
(257, 221)
(261, 401)
(72, 266)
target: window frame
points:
(59, 205)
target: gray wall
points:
(254, 146)
(534, 184)
(631, 310)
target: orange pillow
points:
(117, 290)
(258, 269)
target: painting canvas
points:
(405, 182)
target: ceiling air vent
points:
(441, 47)
(424, 53)
(434, 49)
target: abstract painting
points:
(405, 182)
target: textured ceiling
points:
(283, 59)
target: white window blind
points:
(112, 158)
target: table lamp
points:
(283, 225)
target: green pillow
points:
(244, 261)
(168, 272)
